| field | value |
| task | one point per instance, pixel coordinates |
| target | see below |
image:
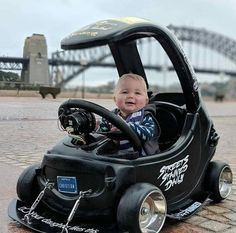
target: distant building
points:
(37, 71)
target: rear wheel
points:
(220, 180)
(142, 209)
(26, 187)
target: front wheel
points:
(26, 187)
(142, 209)
(219, 180)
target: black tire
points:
(26, 187)
(219, 180)
(142, 208)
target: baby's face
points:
(130, 96)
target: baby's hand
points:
(97, 123)
(113, 128)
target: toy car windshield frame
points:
(121, 35)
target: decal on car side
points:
(51, 223)
(188, 211)
(173, 174)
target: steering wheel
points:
(115, 120)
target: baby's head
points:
(130, 93)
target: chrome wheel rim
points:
(152, 213)
(225, 182)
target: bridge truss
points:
(12, 63)
(220, 43)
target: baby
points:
(131, 99)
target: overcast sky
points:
(57, 18)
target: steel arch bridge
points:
(215, 41)
(67, 65)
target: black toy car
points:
(84, 185)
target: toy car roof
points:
(105, 31)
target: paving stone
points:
(217, 209)
(233, 223)
(196, 220)
(231, 216)
(231, 230)
(214, 226)
(229, 204)
(219, 218)
(182, 227)
(232, 197)
(204, 213)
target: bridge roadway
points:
(16, 63)
(28, 128)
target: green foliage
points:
(9, 76)
(12, 81)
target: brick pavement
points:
(28, 128)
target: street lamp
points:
(83, 63)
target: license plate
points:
(67, 184)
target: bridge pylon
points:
(36, 71)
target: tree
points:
(9, 76)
